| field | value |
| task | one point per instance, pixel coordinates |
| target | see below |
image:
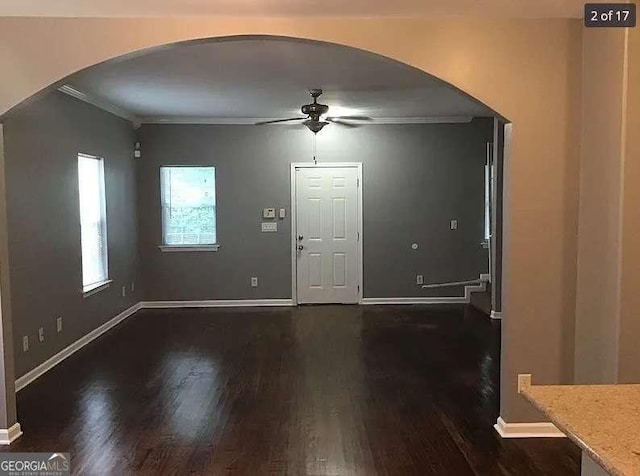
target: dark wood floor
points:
(326, 390)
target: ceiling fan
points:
(314, 112)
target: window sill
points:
(181, 248)
(96, 288)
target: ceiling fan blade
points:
(351, 118)
(280, 120)
(335, 120)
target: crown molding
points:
(99, 103)
(253, 120)
(137, 121)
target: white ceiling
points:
(268, 78)
(398, 8)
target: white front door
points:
(326, 234)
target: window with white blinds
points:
(93, 222)
(188, 205)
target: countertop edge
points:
(606, 464)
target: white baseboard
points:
(217, 303)
(414, 300)
(48, 364)
(478, 288)
(10, 435)
(468, 290)
(527, 430)
(495, 315)
(485, 277)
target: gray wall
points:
(42, 141)
(416, 178)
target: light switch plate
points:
(454, 224)
(283, 213)
(269, 227)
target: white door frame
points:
(294, 225)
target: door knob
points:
(300, 237)
(300, 247)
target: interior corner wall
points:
(601, 169)
(42, 141)
(629, 328)
(8, 413)
(416, 178)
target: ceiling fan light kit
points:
(314, 112)
(314, 126)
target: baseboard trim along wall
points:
(414, 300)
(527, 430)
(8, 436)
(217, 303)
(480, 287)
(495, 315)
(48, 364)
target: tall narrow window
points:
(188, 206)
(489, 177)
(93, 222)
(487, 200)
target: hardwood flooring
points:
(322, 390)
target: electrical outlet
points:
(124, 291)
(59, 324)
(524, 381)
(419, 279)
(454, 224)
(25, 343)
(41, 334)
(254, 281)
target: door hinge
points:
(358, 233)
(357, 182)
(358, 288)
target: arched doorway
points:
(498, 81)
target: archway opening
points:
(431, 167)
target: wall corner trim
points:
(9, 435)
(217, 303)
(527, 430)
(48, 364)
(495, 315)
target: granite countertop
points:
(604, 420)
